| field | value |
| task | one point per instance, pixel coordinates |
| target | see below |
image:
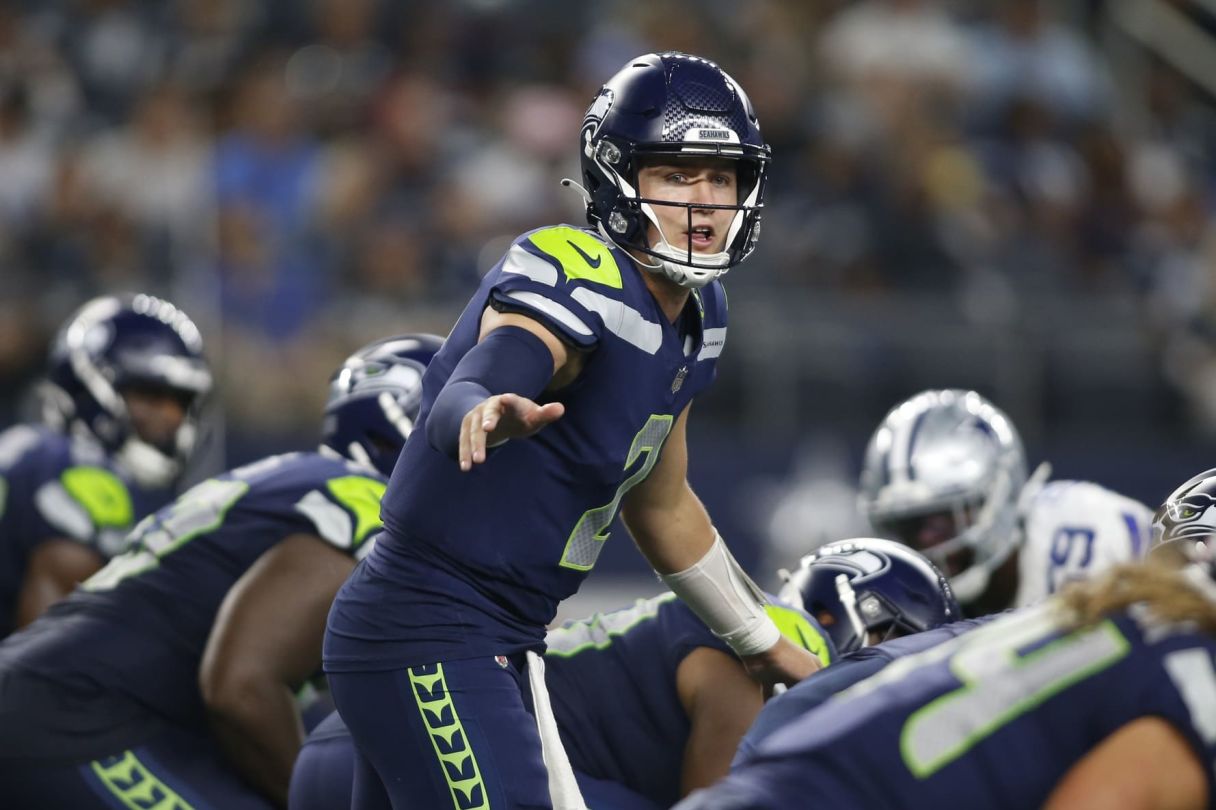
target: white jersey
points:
(1073, 530)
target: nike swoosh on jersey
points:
(590, 263)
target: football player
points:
(1102, 696)
(945, 472)
(561, 396)
(169, 676)
(121, 403)
(649, 705)
(878, 600)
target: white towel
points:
(563, 788)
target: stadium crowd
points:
(300, 174)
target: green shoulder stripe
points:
(580, 255)
(362, 497)
(102, 494)
(794, 626)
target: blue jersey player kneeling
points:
(167, 679)
(121, 406)
(560, 396)
(1103, 696)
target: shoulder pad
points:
(575, 254)
(345, 511)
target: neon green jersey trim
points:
(362, 497)
(794, 626)
(580, 255)
(102, 494)
(135, 786)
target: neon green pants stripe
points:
(136, 786)
(448, 737)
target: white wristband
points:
(727, 600)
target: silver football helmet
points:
(945, 473)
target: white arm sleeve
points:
(727, 600)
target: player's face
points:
(711, 181)
(156, 414)
(923, 532)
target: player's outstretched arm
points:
(54, 570)
(674, 532)
(265, 643)
(489, 399)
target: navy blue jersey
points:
(845, 672)
(476, 562)
(136, 630)
(56, 487)
(993, 718)
(612, 682)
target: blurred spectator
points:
(1023, 54)
(266, 188)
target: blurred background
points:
(1012, 195)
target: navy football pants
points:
(174, 770)
(325, 771)
(456, 734)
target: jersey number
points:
(587, 539)
(1000, 683)
(200, 510)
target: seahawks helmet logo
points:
(595, 115)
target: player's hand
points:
(499, 418)
(784, 663)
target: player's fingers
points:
(548, 414)
(486, 421)
(465, 446)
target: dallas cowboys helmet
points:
(953, 453)
(374, 400)
(671, 104)
(866, 587)
(118, 342)
(1185, 523)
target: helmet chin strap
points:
(675, 264)
(848, 599)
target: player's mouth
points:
(701, 237)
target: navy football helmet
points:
(868, 587)
(671, 104)
(374, 400)
(119, 342)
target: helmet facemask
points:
(628, 224)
